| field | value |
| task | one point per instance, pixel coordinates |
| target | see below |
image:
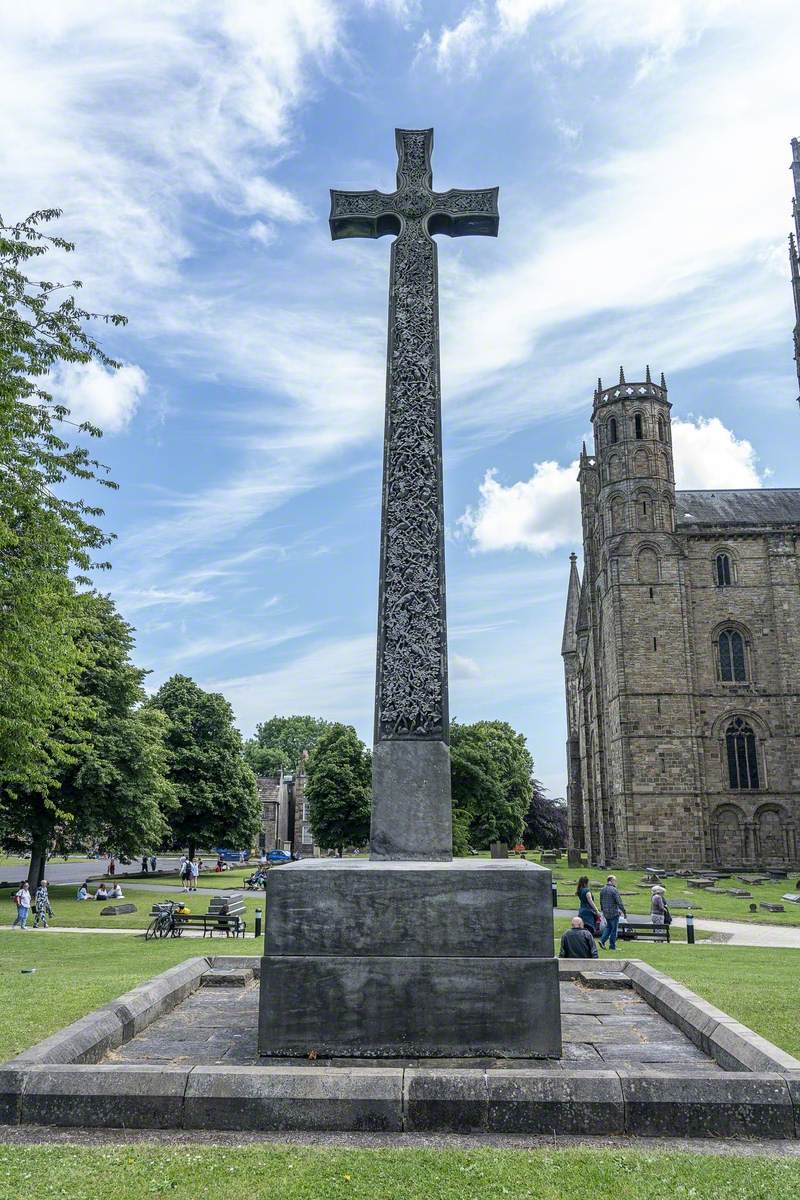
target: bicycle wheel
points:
(152, 930)
(177, 929)
(164, 925)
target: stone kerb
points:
(727, 1041)
(89, 1039)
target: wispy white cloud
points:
(95, 393)
(709, 455)
(543, 513)
(537, 514)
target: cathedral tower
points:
(638, 756)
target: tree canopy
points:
(47, 533)
(280, 742)
(491, 771)
(339, 788)
(215, 789)
(546, 820)
(112, 789)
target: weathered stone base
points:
(409, 1007)
(404, 959)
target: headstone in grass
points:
(772, 907)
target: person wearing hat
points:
(658, 905)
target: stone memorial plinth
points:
(411, 954)
(406, 959)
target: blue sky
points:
(641, 150)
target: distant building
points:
(286, 820)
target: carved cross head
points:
(414, 206)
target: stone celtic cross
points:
(411, 785)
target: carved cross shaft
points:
(411, 701)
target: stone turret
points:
(633, 455)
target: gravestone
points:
(410, 953)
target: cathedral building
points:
(681, 652)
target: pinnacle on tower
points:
(621, 375)
(647, 378)
(663, 381)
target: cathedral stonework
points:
(681, 655)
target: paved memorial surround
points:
(642, 1056)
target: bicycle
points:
(166, 922)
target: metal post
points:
(690, 928)
(555, 895)
(258, 922)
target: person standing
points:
(153, 863)
(194, 871)
(144, 864)
(23, 902)
(658, 906)
(577, 942)
(588, 911)
(42, 904)
(112, 866)
(612, 909)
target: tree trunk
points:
(192, 848)
(38, 862)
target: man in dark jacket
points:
(577, 942)
(612, 909)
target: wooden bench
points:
(214, 922)
(632, 931)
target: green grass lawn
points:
(722, 908)
(85, 914)
(294, 1173)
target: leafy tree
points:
(546, 819)
(339, 788)
(215, 789)
(113, 789)
(45, 533)
(491, 771)
(281, 741)
(264, 760)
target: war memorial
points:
(410, 991)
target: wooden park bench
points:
(225, 915)
(632, 931)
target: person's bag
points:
(667, 916)
(598, 924)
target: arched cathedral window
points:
(722, 570)
(740, 744)
(732, 658)
(638, 429)
(662, 429)
(612, 431)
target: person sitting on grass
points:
(101, 893)
(577, 942)
(83, 892)
(43, 909)
(116, 893)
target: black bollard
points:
(555, 895)
(258, 922)
(690, 928)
